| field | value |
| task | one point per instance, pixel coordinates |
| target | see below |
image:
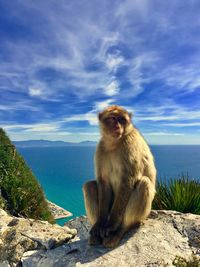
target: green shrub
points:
(21, 194)
(2, 203)
(180, 194)
(181, 262)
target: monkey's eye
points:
(122, 120)
(110, 120)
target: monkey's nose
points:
(116, 128)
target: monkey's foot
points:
(113, 239)
(94, 240)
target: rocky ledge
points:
(19, 235)
(165, 235)
(57, 211)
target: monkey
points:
(122, 194)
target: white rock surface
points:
(18, 235)
(57, 211)
(165, 235)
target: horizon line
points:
(95, 142)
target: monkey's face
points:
(114, 121)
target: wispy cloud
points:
(35, 91)
(184, 79)
(89, 117)
(60, 68)
(163, 134)
(38, 127)
(114, 61)
(188, 124)
(112, 89)
(103, 104)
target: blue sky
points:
(63, 61)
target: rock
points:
(57, 211)
(19, 235)
(4, 264)
(163, 236)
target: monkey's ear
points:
(100, 115)
(130, 114)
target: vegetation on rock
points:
(180, 194)
(20, 192)
(182, 262)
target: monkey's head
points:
(115, 121)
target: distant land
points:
(47, 143)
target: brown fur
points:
(124, 188)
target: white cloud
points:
(35, 91)
(168, 111)
(38, 127)
(42, 128)
(74, 54)
(129, 7)
(107, 40)
(155, 46)
(114, 61)
(186, 124)
(90, 133)
(19, 105)
(140, 72)
(4, 107)
(158, 118)
(182, 78)
(103, 104)
(91, 117)
(187, 139)
(112, 89)
(163, 134)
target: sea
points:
(62, 171)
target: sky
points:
(61, 62)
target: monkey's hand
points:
(111, 226)
(97, 228)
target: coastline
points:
(57, 211)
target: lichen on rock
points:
(19, 235)
(164, 236)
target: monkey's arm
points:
(119, 206)
(104, 193)
(120, 203)
(104, 199)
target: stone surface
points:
(19, 235)
(165, 235)
(57, 211)
(30, 243)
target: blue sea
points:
(63, 170)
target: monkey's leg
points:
(114, 238)
(139, 205)
(90, 192)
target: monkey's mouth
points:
(116, 132)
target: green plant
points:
(182, 262)
(2, 203)
(180, 194)
(21, 194)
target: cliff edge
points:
(164, 235)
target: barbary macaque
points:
(122, 194)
